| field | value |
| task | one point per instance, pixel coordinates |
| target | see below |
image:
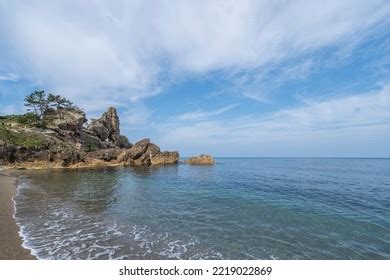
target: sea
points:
(239, 208)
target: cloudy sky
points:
(230, 78)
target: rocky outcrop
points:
(201, 160)
(65, 119)
(146, 153)
(122, 142)
(66, 142)
(7, 152)
(106, 155)
(107, 128)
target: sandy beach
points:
(10, 241)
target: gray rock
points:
(99, 130)
(142, 142)
(123, 142)
(7, 152)
(65, 119)
(152, 150)
(135, 152)
(107, 128)
(104, 154)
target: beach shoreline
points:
(10, 242)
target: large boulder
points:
(152, 150)
(146, 153)
(201, 160)
(135, 152)
(165, 158)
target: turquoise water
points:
(240, 208)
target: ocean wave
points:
(63, 234)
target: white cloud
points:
(202, 115)
(130, 49)
(11, 77)
(345, 119)
(136, 116)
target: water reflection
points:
(90, 190)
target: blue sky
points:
(230, 78)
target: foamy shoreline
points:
(11, 244)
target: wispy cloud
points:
(338, 115)
(132, 49)
(203, 115)
(11, 77)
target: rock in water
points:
(201, 160)
(127, 157)
(165, 158)
(146, 153)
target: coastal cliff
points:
(65, 140)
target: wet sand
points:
(10, 241)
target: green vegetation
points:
(38, 103)
(28, 119)
(21, 139)
(59, 102)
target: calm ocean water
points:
(241, 208)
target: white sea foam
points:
(22, 233)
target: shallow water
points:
(241, 208)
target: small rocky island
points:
(56, 135)
(201, 160)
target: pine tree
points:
(37, 103)
(59, 103)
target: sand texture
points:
(10, 241)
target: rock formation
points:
(201, 160)
(165, 158)
(65, 119)
(146, 153)
(107, 128)
(66, 142)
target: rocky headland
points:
(68, 141)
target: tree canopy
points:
(38, 102)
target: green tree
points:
(59, 103)
(37, 103)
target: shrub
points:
(25, 140)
